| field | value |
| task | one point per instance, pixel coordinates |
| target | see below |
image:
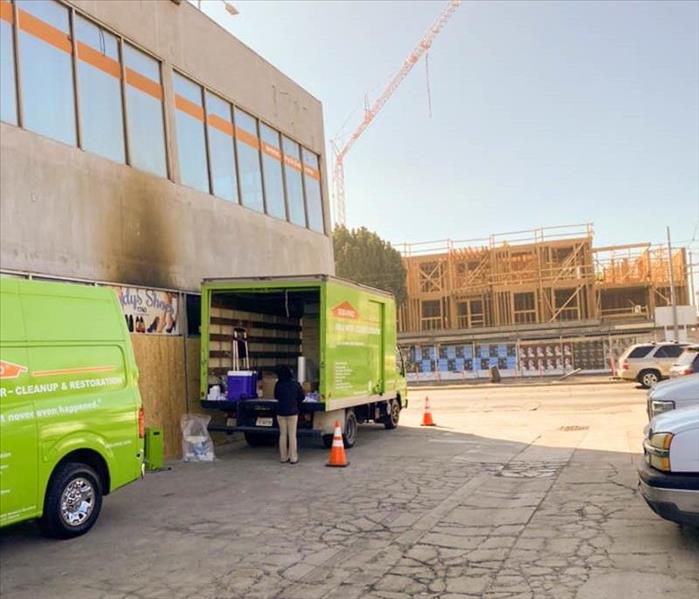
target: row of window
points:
(66, 61)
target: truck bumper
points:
(674, 497)
(262, 430)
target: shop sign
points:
(150, 311)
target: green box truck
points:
(344, 333)
(71, 420)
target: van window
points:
(640, 352)
(668, 351)
(11, 321)
(78, 314)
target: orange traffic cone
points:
(427, 416)
(337, 452)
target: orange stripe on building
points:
(271, 151)
(247, 138)
(6, 13)
(45, 32)
(144, 84)
(98, 60)
(292, 162)
(85, 370)
(183, 104)
(311, 172)
(220, 123)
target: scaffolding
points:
(534, 277)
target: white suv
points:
(649, 363)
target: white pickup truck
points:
(669, 475)
(673, 394)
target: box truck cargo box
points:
(338, 337)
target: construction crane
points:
(371, 111)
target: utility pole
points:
(692, 299)
(673, 297)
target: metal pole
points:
(673, 298)
(690, 265)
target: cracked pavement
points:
(519, 492)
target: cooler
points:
(241, 384)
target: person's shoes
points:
(293, 461)
(284, 461)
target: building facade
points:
(145, 147)
(144, 144)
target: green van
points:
(71, 420)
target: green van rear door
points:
(18, 430)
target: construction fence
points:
(471, 361)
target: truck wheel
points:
(73, 501)
(260, 440)
(349, 436)
(390, 421)
(648, 378)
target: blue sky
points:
(543, 113)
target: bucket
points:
(242, 384)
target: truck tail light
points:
(141, 423)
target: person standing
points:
(289, 394)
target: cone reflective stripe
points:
(337, 451)
(427, 415)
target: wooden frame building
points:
(545, 276)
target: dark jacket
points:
(290, 395)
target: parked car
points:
(688, 362)
(669, 475)
(673, 394)
(649, 363)
(71, 421)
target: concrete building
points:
(143, 146)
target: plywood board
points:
(161, 363)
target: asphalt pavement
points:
(517, 493)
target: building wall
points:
(70, 213)
(80, 215)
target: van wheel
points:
(390, 421)
(349, 436)
(73, 501)
(648, 378)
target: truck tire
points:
(73, 501)
(390, 421)
(349, 435)
(260, 439)
(648, 378)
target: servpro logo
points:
(10, 370)
(345, 310)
